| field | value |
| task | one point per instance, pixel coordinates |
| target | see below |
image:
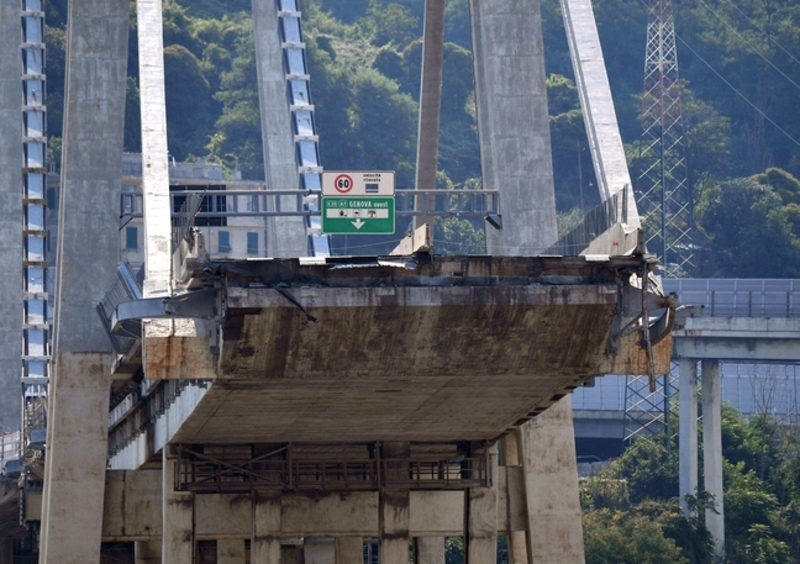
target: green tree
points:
(189, 117)
(748, 231)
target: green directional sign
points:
(358, 215)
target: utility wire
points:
(749, 44)
(731, 86)
(755, 25)
(742, 96)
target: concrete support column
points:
(265, 546)
(319, 551)
(429, 550)
(148, 552)
(712, 452)
(11, 193)
(513, 126)
(555, 531)
(687, 436)
(88, 242)
(287, 235)
(393, 524)
(517, 547)
(430, 96)
(231, 551)
(480, 515)
(350, 550)
(177, 517)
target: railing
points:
(9, 448)
(271, 203)
(203, 473)
(596, 222)
(739, 298)
(125, 287)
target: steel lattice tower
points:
(664, 199)
(663, 194)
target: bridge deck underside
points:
(400, 361)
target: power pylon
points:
(664, 196)
(664, 199)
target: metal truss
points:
(663, 193)
(280, 470)
(647, 411)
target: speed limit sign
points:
(351, 183)
(343, 183)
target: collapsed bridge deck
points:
(434, 349)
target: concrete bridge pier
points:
(88, 241)
(514, 132)
(712, 444)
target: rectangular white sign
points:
(358, 183)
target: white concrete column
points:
(687, 436)
(231, 551)
(349, 550)
(517, 547)
(155, 161)
(430, 96)
(480, 515)
(265, 546)
(712, 452)
(148, 552)
(393, 526)
(177, 545)
(555, 531)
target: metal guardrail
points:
(596, 222)
(125, 287)
(10, 448)
(272, 203)
(205, 474)
(739, 298)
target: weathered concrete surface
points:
(133, 511)
(350, 550)
(429, 550)
(177, 516)
(480, 521)
(394, 524)
(712, 453)
(265, 545)
(11, 250)
(430, 97)
(739, 338)
(555, 532)
(437, 353)
(231, 551)
(287, 235)
(75, 467)
(687, 438)
(88, 241)
(513, 125)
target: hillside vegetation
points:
(740, 86)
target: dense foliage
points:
(740, 83)
(631, 510)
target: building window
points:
(131, 238)
(223, 241)
(252, 243)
